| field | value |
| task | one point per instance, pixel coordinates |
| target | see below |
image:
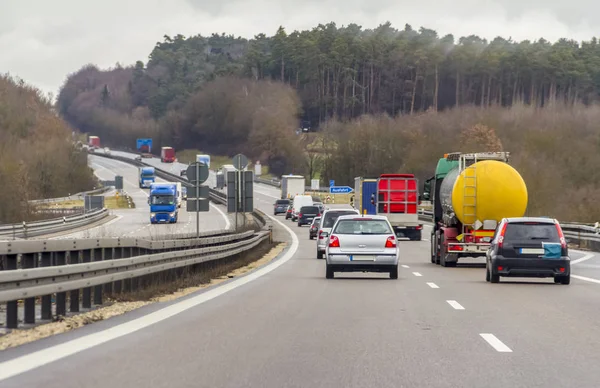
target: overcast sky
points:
(42, 41)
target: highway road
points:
(135, 222)
(287, 326)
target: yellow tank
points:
(500, 192)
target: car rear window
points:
(362, 227)
(283, 202)
(531, 231)
(332, 216)
(309, 209)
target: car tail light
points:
(561, 236)
(299, 215)
(334, 242)
(321, 235)
(500, 268)
(562, 269)
(501, 236)
(419, 227)
(390, 242)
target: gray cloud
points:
(42, 41)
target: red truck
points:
(398, 200)
(167, 155)
(94, 141)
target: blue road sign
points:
(340, 189)
(331, 183)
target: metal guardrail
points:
(45, 268)
(40, 228)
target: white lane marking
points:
(42, 357)
(405, 266)
(432, 285)
(495, 343)
(426, 239)
(227, 223)
(586, 279)
(584, 258)
(417, 274)
(455, 305)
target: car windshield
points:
(362, 227)
(162, 200)
(531, 231)
(282, 202)
(309, 209)
(331, 217)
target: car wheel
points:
(394, 273)
(319, 255)
(311, 237)
(487, 273)
(328, 272)
(565, 280)
(494, 278)
(299, 224)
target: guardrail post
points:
(28, 261)
(46, 299)
(12, 307)
(86, 257)
(74, 294)
(117, 253)
(98, 256)
(60, 258)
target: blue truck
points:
(163, 203)
(364, 188)
(147, 176)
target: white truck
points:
(292, 185)
(225, 169)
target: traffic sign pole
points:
(198, 201)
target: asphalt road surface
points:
(136, 222)
(287, 326)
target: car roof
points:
(367, 216)
(327, 210)
(541, 220)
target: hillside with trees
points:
(380, 99)
(37, 156)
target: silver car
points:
(328, 218)
(362, 244)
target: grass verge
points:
(121, 202)
(163, 289)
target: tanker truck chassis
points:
(462, 192)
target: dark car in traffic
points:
(528, 247)
(281, 206)
(288, 212)
(314, 228)
(307, 214)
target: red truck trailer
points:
(167, 155)
(94, 141)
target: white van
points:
(298, 202)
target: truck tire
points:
(443, 252)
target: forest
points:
(37, 156)
(376, 100)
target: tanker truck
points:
(471, 193)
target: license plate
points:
(362, 258)
(309, 218)
(532, 251)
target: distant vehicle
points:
(167, 155)
(327, 220)
(106, 151)
(220, 179)
(314, 228)
(147, 176)
(163, 203)
(307, 214)
(280, 206)
(292, 185)
(471, 194)
(317, 199)
(179, 194)
(184, 193)
(224, 170)
(364, 190)
(298, 202)
(203, 159)
(362, 243)
(528, 247)
(138, 158)
(144, 146)
(94, 142)
(183, 173)
(288, 212)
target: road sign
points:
(203, 192)
(314, 184)
(240, 161)
(202, 172)
(331, 183)
(119, 182)
(194, 205)
(233, 192)
(340, 189)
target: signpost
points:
(198, 195)
(331, 183)
(240, 188)
(340, 189)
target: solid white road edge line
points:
(86, 230)
(31, 361)
(584, 258)
(586, 279)
(227, 223)
(455, 305)
(432, 285)
(417, 274)
(405, 266)
(495, 343)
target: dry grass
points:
(186, 284)
(121, 202)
